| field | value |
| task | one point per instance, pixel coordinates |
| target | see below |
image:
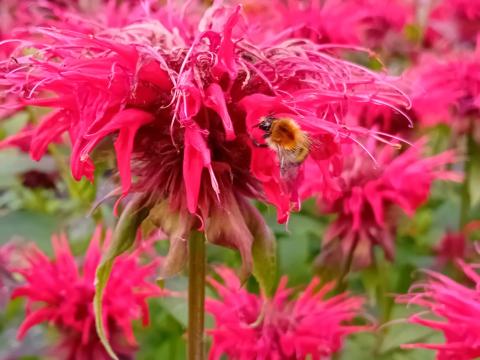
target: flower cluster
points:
(198, 114)
(363, 22)
(447, 91)
(457, 308)
(60, 292)
(182, 100)
(453, 22)
(372, 191)
(250, 326)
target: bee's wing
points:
(288, 164)
(321, 149)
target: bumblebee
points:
(287, 139)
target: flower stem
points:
(196, 295)
(342, 280)
(466, 196)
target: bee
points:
(287, 139)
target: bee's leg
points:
(257, 144)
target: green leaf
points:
(101, 280)
(177, 307)
(413, 33)
(297, 245)
(176, 225)
(29, 225)
(122, 240)
(264, 249)
(360, 344)
(400, 332)
(473, 176)
(15, 123)
(164, 338)
(374, 63)
(264, 253)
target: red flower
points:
(370, 192)
(182, 105)
(61, 293)
(458, 309)
(249, 326)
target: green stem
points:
(384, 301)
(342, 283)
(196, 295)
(466, 197)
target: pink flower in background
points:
(454, 23)
(181, 100)
(452, 246)
(446, 90)
(370, 193)
(470, 9)
(356, 22)
(249, 326)
(60, 293)
(382, 118)
(80, 15)
(17, 17)
(456, 244)
(456, 308)
(91, 16)
(162, 101)
(369, 23)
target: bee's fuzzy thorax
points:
(286, 133)
(289, 141)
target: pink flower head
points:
(249, 326)
(370, 192)
(182, 107)
(386, 120)
(270, 21)
(457, 311)
(368, 23)
(61, 293)
(454, 22)
(17, 18)
(353, 22)
(446, 91)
